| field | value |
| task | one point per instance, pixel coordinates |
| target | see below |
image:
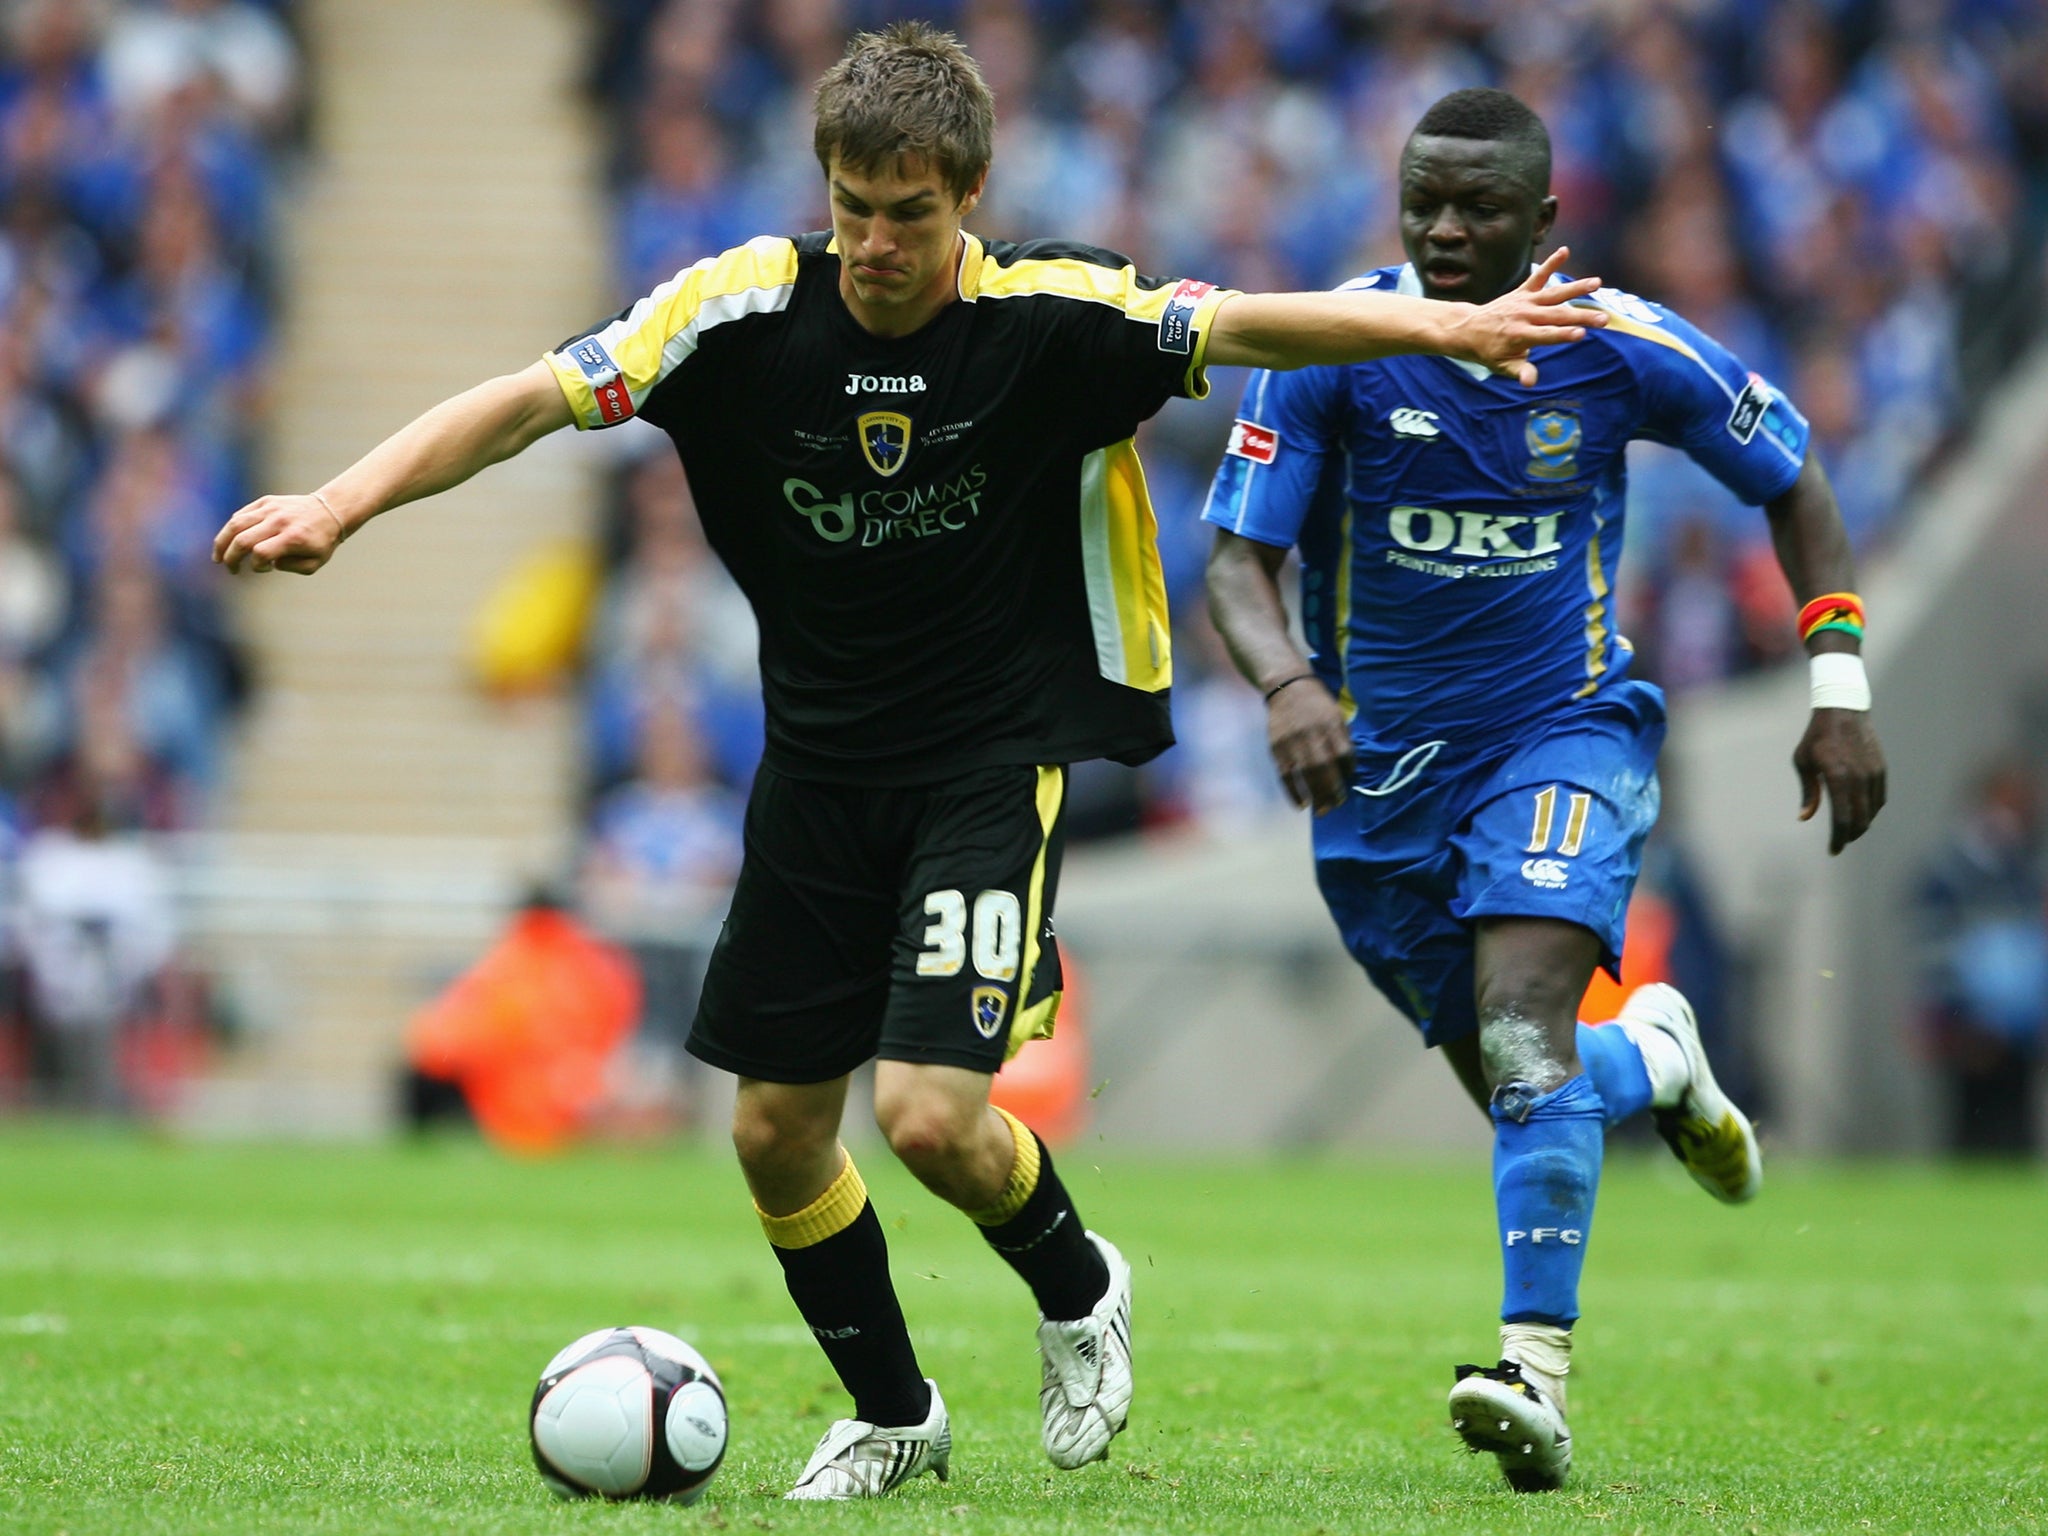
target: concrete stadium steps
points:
(324, 946)
(449, 230)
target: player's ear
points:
(1546, 215)
(973, 194)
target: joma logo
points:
(884, 384)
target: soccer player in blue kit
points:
(1482, 766)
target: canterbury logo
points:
(1407, 421)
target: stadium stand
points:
(141, 146)
(1851, 195)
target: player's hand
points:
(1536, 314)
(1840, 750)
(1311, 744)
(282, 533)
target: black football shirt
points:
(946, 536)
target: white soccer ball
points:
(629, 1413)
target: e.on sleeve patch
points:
(1249, 440)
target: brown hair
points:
(907, 90)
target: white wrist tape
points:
(1839, 681)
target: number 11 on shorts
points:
(1578, 810)
(998, 935)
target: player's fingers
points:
(229, 543)
(1845, 797)
(273, 552)
(1809, 788)
(1541, 275)
(1523, 372)
(237, 552)
(1290, 777)
(1325, 787)
(1570, 293)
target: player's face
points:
(898, 228)
(1470, 221)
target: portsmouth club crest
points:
(991, 1004)
(1553, 438)
(884, 440)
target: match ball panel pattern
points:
(596, 1425)
(629, 1413)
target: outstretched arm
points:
(1298, 330)
(1840, 747)
(473, 430)
(1305, 729)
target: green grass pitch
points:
(293, 1339)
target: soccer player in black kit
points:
(913, 449)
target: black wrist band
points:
(1299, 677)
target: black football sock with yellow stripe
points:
(1035, 1228)
(836, 1264)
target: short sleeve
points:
(608, 373)
(1278, 445)
(1697, 397)
(1118, 343)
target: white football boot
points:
(1704, 1129)
(859, 1460)
(1085, 1371)
(1500, 1409)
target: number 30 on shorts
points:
(998, 938)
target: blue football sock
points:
(1615, 1063)
(1546, 1169)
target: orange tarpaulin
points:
(527, 1032)
(1645, 957)
(1046, 1084)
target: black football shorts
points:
(908, 924)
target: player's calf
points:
(1083, 1289)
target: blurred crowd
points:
(1849, 193)
(140, 146)
(1981, 910)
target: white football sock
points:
(1543, 1351)
(1664, 1059)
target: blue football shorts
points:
(1549, 825)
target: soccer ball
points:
(629, 1413)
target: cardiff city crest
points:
(884, 440)
(990, 1005)
(1553, 437)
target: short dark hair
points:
(908, 89)
(1481, 112)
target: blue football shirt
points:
(1459, 533)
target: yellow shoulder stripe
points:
(1069, 277)
(608, 377)
(1628, 327)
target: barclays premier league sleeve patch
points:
(1249, 440)
(1177, 320)
(1750, 406)
(614, 400)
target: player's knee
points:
(1519, 1044)
(768, 1136)
(928, 1131)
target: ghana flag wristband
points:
(1832, 610)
